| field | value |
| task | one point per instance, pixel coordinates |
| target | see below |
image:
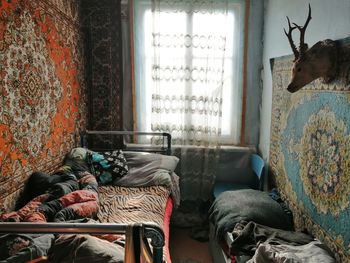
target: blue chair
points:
(257, 166)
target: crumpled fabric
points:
(28, 213)
(61, 204)
(71, 184)
(83, 249)
(313, 252)
(247, 236)
(87, 181)
(61, 182)
(16, 248)
(79, 153)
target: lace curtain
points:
(186, 66)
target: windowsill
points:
(240, 148)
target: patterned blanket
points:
(62, 202)
(132, 205)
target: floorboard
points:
(184, 249)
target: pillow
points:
(117, 162)
(107, 166)
(232, 207)
(146, 169)
(151, 161)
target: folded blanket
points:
(232, 207)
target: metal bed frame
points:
(165, 148)
(149, 230)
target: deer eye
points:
(298, 69)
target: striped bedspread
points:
(132, 205)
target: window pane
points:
(186, 60)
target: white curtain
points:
(187, 66)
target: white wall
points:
(330, 19)
(254, 85)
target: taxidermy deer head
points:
(311, 63)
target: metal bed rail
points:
(150, 230)
(165, 148)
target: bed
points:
(256, 227)
(123, 205)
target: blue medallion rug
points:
(310, 155)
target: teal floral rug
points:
(310, 155)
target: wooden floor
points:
(184, 249)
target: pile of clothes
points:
(70, 194)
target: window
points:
(188, 68)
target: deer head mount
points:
(311, 63)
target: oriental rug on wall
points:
(101, 23)
(102, 37)
(310, 155)
(42, 101)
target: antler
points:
(290, 38)
(303, 46)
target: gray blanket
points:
(271, 245)
(313, 252)
(232, 207)
(247, 236)
(24, 247)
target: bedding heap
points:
(107, 187)
(262, 229)
(268, 245)
(72, 197)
